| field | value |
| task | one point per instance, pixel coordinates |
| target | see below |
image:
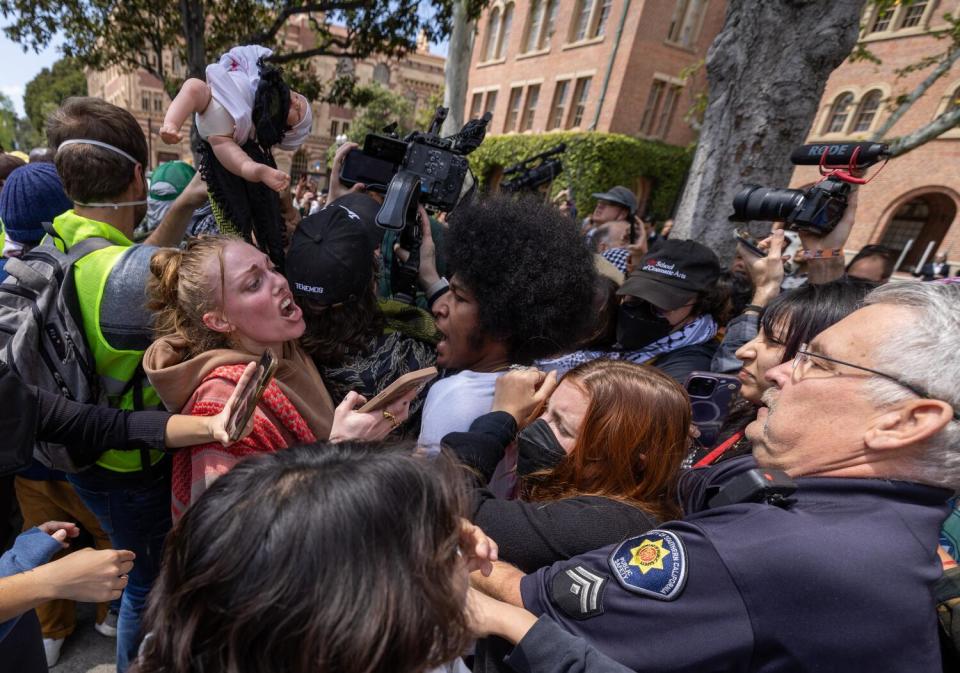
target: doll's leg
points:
(235, 160)
(194, 96)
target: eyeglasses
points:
(804, 358)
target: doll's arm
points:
(235, 160)
(194, 96)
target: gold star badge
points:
(649, 555)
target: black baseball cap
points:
(673, 275)
(621, 196)
(331, 255)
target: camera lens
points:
(766, 203)
(701, 387)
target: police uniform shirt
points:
(841, 580)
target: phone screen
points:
(251, 394)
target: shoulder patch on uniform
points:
(578, 592)
(653, 565)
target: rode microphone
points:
(849, 155)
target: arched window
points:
(839, 113)
(298, 166)
(493, 32)
(505, 26)
(381, 74)
(867, 111)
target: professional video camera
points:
(819, 208)
(422, 168)
(529, 176)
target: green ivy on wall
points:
(594, 162)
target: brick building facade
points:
(416, 76)
(917, 195)
(606, 65)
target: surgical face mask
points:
(639, 325)
(537, 448)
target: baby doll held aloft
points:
(237, 90)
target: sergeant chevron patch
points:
(578, 592)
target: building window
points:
(491, 102)
(334, 128)
(531, 40)
(344, 127)
(867, 111)
(558, 107)
(581, 92)
(493, 32)
(666, 110)
(381, 74)
(600, 26)
(653, 103)
(882, 21)
(298, 165)
(550, 25)
(475, 104)
(145, 102)
(158, 103)
(914, 14)
(685, 26)
(839, 113)
(513, 109)
(533, 97)
(581, 15)
(658, 114)
(502, 43)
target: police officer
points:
(835, 576)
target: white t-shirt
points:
(454, 403)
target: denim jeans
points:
(135, 514)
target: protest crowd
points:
(630, 456)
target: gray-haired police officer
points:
(838, 575)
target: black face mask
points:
(537, 448)
(638, 326)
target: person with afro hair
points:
(521, 289)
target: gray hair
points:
(924, 352)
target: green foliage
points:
(424, 115)
(50, 88)
(8, 123)
(594, 162)
(380, 107)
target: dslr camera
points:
(531, 173)
(818, 209)
(422, 168)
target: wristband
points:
(436, 286)
(752, 307)
(821, 254)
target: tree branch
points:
(950, 57)
(944, 122)
(310, 53)
(291, 10)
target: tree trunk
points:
(766, 72)
(194, 25)
(458, 68)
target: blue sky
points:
(19, 68)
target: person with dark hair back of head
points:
(521, 289)
(311, 601)
(873, 263)
(8, 163)
(101, 157)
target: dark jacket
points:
(29, 414)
